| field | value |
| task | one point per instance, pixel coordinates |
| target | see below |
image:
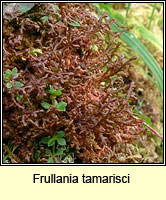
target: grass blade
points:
(151, 17)
(128, 8)
(149, 36)
(136, 45)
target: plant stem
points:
(128, 8)
(130, 90)
(151, 17)
(53, 149)
(155, 132)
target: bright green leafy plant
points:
(9, 76)
(56, 140)
(36, 52)
(58, 137)
(53, 94)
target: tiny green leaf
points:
(148, 121)
(18, 84)
(59, 152)
(45, 140)
(61, 141)
(7, 73)
(36, 51)
(56, 8)
(51, 142)
(8, 85)
(74, 24)
(61, 106)
(105, 69)
(141, 116)
(36, 154)
(51, 88)
(56, 102)
(10, 145)
(119, 155)
(129, 101)
(5, 158)
(94, 47)
(18, 98)
(48, 151)
(6, 77)
(50, 160)
(14, 70)
(45, 18)
(114, 77)
(46, 105)
(60, 134)
(107, 81)
(55, 92)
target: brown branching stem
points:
(155, 132)
(130, 90)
